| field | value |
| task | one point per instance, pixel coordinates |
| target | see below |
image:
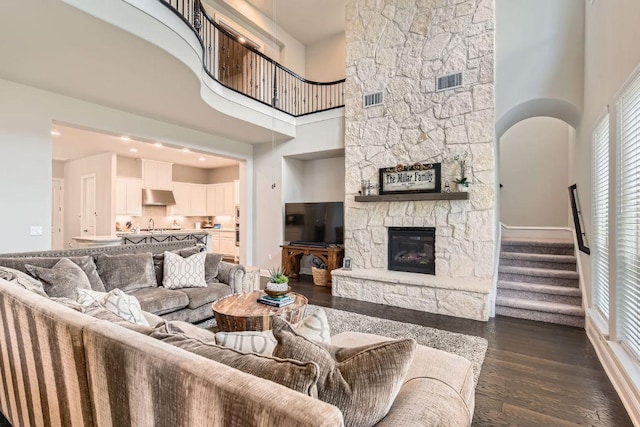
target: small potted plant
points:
(463, 181)
(463, 184)
(278, 284)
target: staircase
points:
(538, 281)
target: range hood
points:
(157, 197)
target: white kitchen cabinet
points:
(182, 194)
(198, 200)
(129, 196)
(157, 175)
(236, 193)
(221, 199)
(223, 242)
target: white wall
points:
(534, 172)
(326, 59)
(539, 52)
(26, 116)
(104, 168)
(292, 52)
(226, 174)
(58, 169)
(323, 180)
(323, 136)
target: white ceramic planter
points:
(463, 188)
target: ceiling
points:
(50, 45)
(309, 21)
(74, 143)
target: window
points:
(600, 215)
(628, 218)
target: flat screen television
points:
(314, 223)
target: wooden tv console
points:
(291, 255)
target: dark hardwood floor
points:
(534, 373)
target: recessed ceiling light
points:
(185, 150)
(55, 133)
(242, 39)
(157, 144)
(125, 138)
(202, 159)
(133, 150)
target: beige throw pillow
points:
(182, 272)
(315, 327)
(362, 382)
(22, 279)
(299, 376)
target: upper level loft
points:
(233, 61)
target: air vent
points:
(449, 81)
(373, 99)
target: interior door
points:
(57, 214)
(88, 213)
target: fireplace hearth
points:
(412, 249)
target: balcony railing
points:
(249, 72)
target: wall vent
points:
(450, 81)
(373, 99)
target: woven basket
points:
(320, 277)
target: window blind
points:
(600, 217)
(628, 218)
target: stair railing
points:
(249, 72)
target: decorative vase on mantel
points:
(463, 188)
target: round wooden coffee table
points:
(243, 312)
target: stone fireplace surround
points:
(401, 48)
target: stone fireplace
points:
(402, 48)
(412, 249)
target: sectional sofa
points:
(62, 367)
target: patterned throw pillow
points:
(184, 272)
(314, 327)
(362, 382)
(63, 280)
(117, 302)
(22, 279)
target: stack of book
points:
(276, 301)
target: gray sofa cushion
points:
(160, 300)
(84, 262)
(62, 280)
(127, 271)
(299, 376)
(201, 296)
(362, 382)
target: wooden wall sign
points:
(416, 178)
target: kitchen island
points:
(164, 235)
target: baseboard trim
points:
(613, 366)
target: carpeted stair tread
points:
(539, 272)
(540, 306)
(539, 316)
(547, 247)
(540, 288)
(551, 258)
(537, 242)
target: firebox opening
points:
(412, 249)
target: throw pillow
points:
(63, 280)
(22, 279)
(124, 306)
(86, 263)
(184, 272)
(362, 382)
(299, 376)
(211, 265)
(99, 312)
(315, 327)
(127, 271)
